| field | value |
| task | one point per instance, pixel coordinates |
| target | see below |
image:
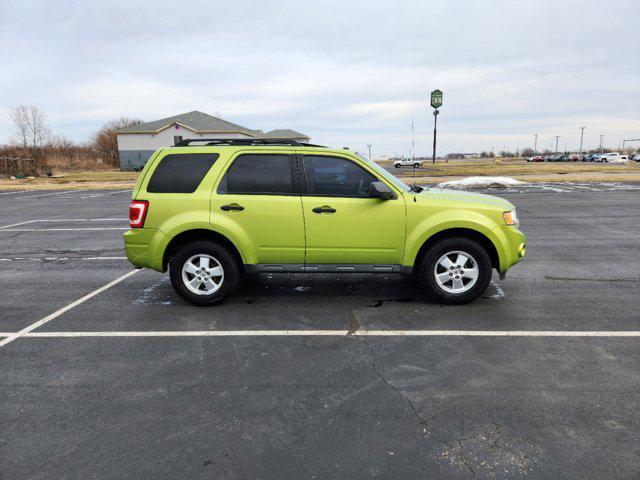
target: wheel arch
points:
(197, 234)
(469, 233)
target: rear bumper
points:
(143, 247)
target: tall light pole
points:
(581, 138)
(557, 137)
(369, 147)
(601, 149)
(535, 144)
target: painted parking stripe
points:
(65, 220)
(17, 224)
(334, 333)
(57, 313)
(85, 229)
(49, 259)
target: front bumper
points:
(513, 245)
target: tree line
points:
(34, 140)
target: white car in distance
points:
(407, 162)
(613, 157)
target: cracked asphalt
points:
(349, 406)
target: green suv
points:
(212, 210)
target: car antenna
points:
(413, 151)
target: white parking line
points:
(65, 220)
(43, 195)
(57, 313)
(86, 229)
(17, 224)
(39, 259)
(334, 333)
(17, 191)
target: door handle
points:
(233, 206)
(325, 209)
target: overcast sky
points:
(345, 73)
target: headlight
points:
(510, 217)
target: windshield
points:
(384, 173)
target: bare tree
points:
(30, 125)
(105, 140)
(20, 118)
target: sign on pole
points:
(436, 102)
(436, 98)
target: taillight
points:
(137, 213)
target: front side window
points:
(259, 175)
(336, 177)
(181, 173)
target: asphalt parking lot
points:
(303, 376)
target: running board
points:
(326, 268)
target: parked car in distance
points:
(590, 157)
(611, 157)
(407, 162)
(537, 158)
(636, 157)
(212, 213)
(554, 158)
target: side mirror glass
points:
(381, 191)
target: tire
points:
(221, 275)
(477, 258)
(397, 165)
(416, 165)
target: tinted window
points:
(336, 177)
(181, 173)
(258, 174)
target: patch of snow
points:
(499, 292)
(481, 182)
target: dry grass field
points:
(111, 179)
(429, 174)
(522, 170)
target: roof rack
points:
(244, 141)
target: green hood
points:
(466, 197)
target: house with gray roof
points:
(138, 142)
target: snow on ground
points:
(481, 182)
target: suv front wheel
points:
(455, 271)
(204, 273)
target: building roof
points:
(198, 121)
(284, 133)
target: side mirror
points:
(381, 191)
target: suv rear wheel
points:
(204, 273)
(455, 270)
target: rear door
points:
(257, 201)
(343, 224)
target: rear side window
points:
(259, 175)
(336, 177)
(181, 173)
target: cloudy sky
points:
(346, 73)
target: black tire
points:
(416, 165)
(231, 270)
(477, 253)
(397, 165)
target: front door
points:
(344, 225)
(257, 202)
